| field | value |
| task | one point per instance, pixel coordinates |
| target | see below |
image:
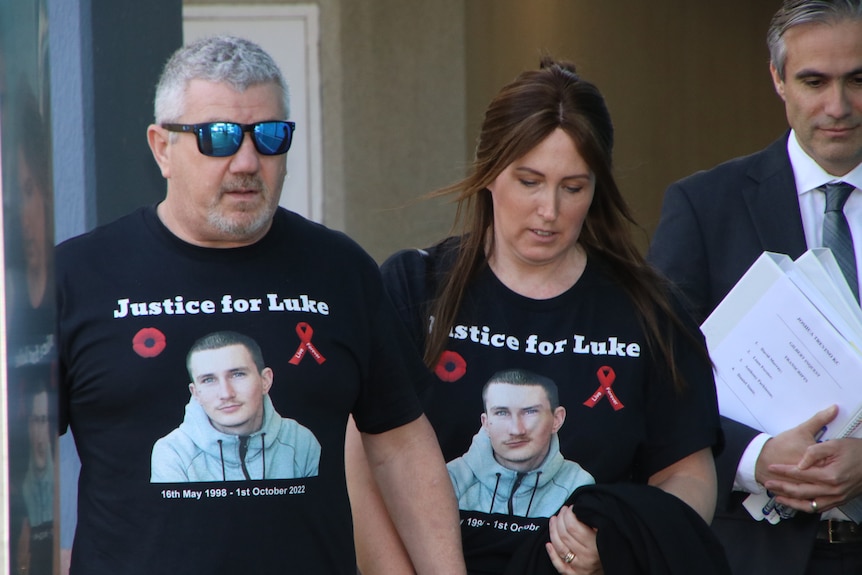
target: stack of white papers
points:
(786, 343)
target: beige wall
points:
(405, 85)
(403, 91)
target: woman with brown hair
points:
(542, 274)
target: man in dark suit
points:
(713, 226)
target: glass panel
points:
(27, 344)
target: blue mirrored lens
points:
(221, 139)
(272, 138)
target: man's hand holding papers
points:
(786, 346)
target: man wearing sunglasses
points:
(218, 253)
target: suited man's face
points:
(822, 92)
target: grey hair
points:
(795, 12)
(224, 59)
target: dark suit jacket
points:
(713, 225)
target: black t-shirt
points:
(624, 420)
(132, 298)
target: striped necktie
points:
(836, 232)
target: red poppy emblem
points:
(149, 342)
(451, 366)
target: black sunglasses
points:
(221, 139)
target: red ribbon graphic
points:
(606, 381)
(304, 331)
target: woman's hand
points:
(572, 548)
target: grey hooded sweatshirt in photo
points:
(196, 451)
(482, 484)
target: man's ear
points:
(158, 139)
(267, 376)
(559, 418)
(776, 80)
(193, 390)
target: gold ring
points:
(814, 506)
(569, 557)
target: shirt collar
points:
(808, 173)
